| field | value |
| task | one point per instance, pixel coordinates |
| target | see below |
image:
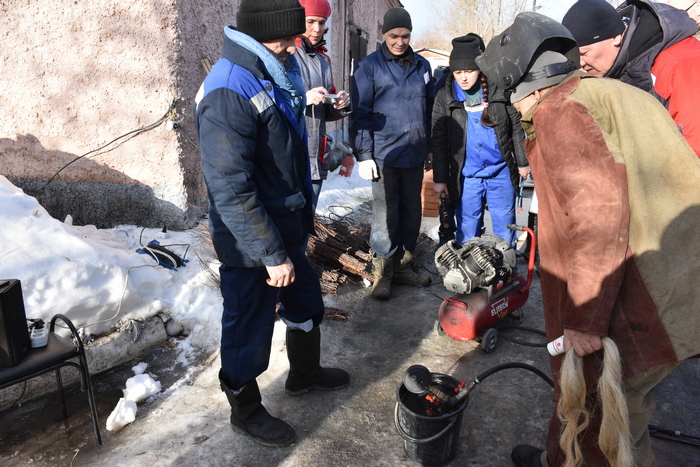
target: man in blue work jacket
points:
(392, 102)
(249, 114)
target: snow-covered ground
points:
(102, 278)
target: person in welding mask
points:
(392, 99)
(619, 210)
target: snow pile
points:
(138, 388)
(102, 280)
(98, 278)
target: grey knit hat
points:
(549, 69)
(396, 18)
(266, 20)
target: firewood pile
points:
(338, 252)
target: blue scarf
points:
(287, 79)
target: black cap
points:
(266, 20)
(591, 21)
(465, 49)
(396, 18)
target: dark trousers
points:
(396, 210)
(249, 313)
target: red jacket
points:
(677, 73)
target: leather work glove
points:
(368, 170)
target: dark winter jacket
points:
(652, 27)
(316, 71)
(449, 137)
(392, 102)
(660, 55)
(254, 156)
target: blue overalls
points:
(486, 177)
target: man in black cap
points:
(392, 101)
(648, 45)
(249, 114)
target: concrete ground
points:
(187, 423)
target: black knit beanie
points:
(482, 47)
(591, 21)
(465, 49)
(396, 18)
(266, 20)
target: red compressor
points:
(482, 272)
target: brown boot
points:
(383, 270)
(403, 273)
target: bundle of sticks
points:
(339, 251)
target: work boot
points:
(403, 273)
(383, 270)
(249, 417)
(526, 456)
(305, 370)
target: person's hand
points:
(368, 170)
(524, 172)
(582, 342)
(281, 275)
(429, 162)
(343, 100)
(440, 188)
(315, 96)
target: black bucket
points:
(429, 440)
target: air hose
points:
(502, 326)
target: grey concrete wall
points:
(76, 75)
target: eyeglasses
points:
(691, 6)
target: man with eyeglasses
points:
(645, 44)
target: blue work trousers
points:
(249, 313)
(396, 210)
(499, 193)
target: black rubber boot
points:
(526, 456)
(403, 273)
(305, 371)
(383, 271)
(248, 416)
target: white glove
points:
(368, 170)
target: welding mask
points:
(508, 56)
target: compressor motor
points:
(478, 263)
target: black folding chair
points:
(59, 352)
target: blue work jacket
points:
(249, 115)
(392, 108)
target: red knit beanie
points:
(317, 8)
